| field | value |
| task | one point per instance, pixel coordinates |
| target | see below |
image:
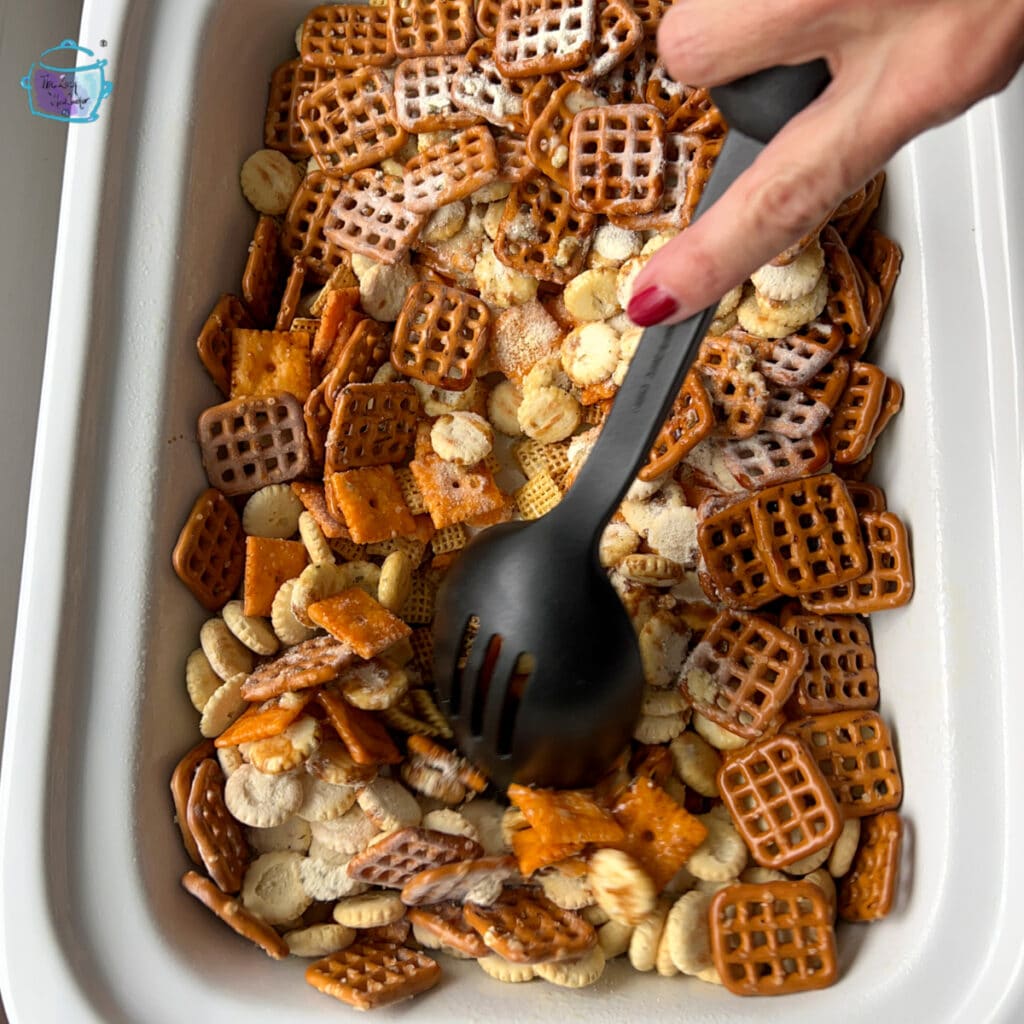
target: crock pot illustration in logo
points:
(67, 92)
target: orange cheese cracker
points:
(356, 619)
(660, 835)
(266, 362)
(262, 721)
(565, 816)
(268, 564)
(367, 740)
(370, 501)
(533, 852)
(313, 500)
(455, 494)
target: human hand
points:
(898, 67)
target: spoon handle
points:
(756, 107)
(656, 374)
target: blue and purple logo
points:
(62, 92)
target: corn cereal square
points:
(268, 564)
(265, 362)
(370, 501)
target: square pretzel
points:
(793, 413)
(869, 887)
(690, 420)
(429, 28)
(540, 37)
(541, 233)
(808, 534)
(289, 84)
(733, 559)
(251, 442)
(779, 800)
(266, 361)
(214, 341)
(840, 674)
(268, 564)
(356, 619)
(372, 424)
(208, 554)
(845, 305)
(773, 938)
(261, 279)
(451, 170)
(453, 493)
(369, 217)
(857, 412)
(371, 504)
(350, 121)
(423, 101)
(742, 672)
(480, 88)
(766, 459)
(619, 32)
(617, 159)
(796, 359)
(305, 224)
(548, 142)
(855, 756)
(346, 37)
(888, 580)
(440, 336)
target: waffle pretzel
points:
(406, 852)
(249, 443)
(734, 564)
(737, 391)
(773, 938)
(214, 341)
(372, 424)
(208, 556)
(481, 89)
(881, 258)
(218, 837)
(261, 280)
(440, 336)
(840, 674)
(845, 306)
(305, 223)
(369, 217)
(350, 121)
(779, 801)
(888, 580)
(766, 458)
(857, 412)
(372, 973)
(548, 142)
(742, 672)
(854, 753)
(689, 422)
(869, 888)
(422, 93)
(540, 37)
(619, 32)
(447, 923)
(290, 82)
(795, 360)
(808, 534)
(430, 28)
(346, 37)
(541, 233)
(450, 170)
(527, 928)
(794, 413)
(627, 82)
(616, 159)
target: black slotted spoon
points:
(535, 659)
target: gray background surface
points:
(31, 165)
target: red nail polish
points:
(651, 306)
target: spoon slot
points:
(514, 693)
(469, 634)
(483, 684)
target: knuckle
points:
(791, 202)
(684, 48)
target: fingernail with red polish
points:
(651, 306)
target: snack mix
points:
(453, 204)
